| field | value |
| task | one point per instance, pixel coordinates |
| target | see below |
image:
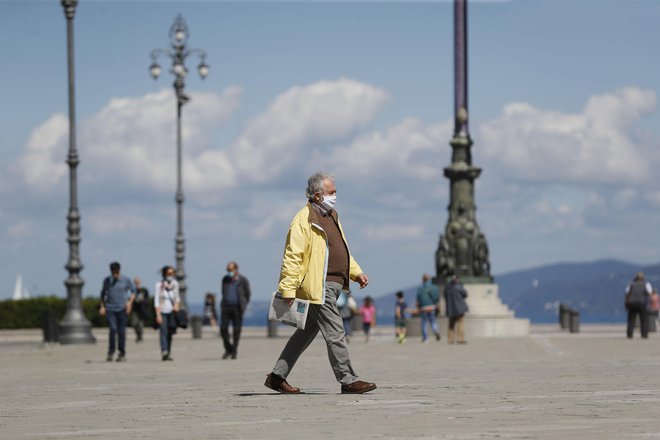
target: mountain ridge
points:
(595, 288)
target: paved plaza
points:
(551, 385)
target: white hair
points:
(315, 183)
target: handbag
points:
(181, 318)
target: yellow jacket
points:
(305, 259)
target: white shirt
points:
(166, 295)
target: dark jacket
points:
(243, 291)
(638, 293)
(455, 295)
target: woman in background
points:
(166, 303)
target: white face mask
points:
(331, 201)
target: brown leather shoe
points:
(358, 387)
(275, 382)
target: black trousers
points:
(231, 314)
(635, 310)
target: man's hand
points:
(288, 301)
(363, 280)
(159, 319)
(129, 307)
(102, 310)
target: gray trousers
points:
(326, 319)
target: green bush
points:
(28, 313)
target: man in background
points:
(235, 298)
(117, 295)
(637, 294)
(428, 298)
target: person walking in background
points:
(368, 312)
(210, 315)
(166, 302)
(654, 310)
(117, 295)
(317, 266)
(235, 298)
(456, 308)
(428, 298)
(637, 294)
(140, 309)
(400, 309)
(346, 305)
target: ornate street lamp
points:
(74, 328)
(178, 52)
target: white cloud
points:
(301, 119)
(409, 148)
(595, 145)
(43, 164)
(130, 144)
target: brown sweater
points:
(338, 259)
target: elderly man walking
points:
(317, 266)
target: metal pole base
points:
(76, 330)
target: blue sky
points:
(563, 104)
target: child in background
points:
(400, 317)
(368, 312)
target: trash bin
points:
(575, 321)
(564, 316)
(272, 328)
(356, 323)
(196, 325)
(50, 326)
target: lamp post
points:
(74, 328)
(178, 52)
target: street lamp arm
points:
(200, 52)
(158, 52)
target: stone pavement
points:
(552, 385)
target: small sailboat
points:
(20, 292)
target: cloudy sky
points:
(565, 122)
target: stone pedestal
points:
(488, 316)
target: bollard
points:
(564, 316)
(356, 323)
(575, 321)
(50, 326)
(272, 328)
(650, 322)
(196, 326)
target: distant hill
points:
(594, 288)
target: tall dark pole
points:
(460, 69)
(463, 249)
(74, 328)
(178, 52)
